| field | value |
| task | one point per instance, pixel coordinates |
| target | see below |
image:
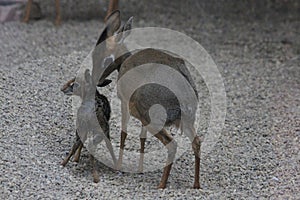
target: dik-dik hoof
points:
(63, 163)
(120, 160)
(196, 186)
(25, 20)
(141, 169)
(117, 165)
(57, 22)
(161, 186)
(96, 179)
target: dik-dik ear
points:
(112, 25)
(70, 87)
(125, 31)
(128, 25)
(113, 22)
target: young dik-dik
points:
(180, 115)
(103, 110)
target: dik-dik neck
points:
(114, 66)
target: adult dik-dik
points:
(177, 113)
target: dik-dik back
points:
(147, 95)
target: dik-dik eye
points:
(75, 86)
(108, 60)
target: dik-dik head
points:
(106, 53)
(110, 51)
(71, 86)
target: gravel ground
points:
(256, 156)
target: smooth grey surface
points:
(258, 152)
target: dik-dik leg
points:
(27, 11)
(78, 152)
(143, 137)
(94, 170)
(113, 5)
(196, 144)
(171, 145)
(76, 146)
(125, 119)
(58, 16)
(189, 130)
(105, 128)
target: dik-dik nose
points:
(67, 91)
(68, 88)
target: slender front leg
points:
(189, 130)
(196, 148)
(104, 124)
(27, 12)
(143, 137)
(111, 150)
(72, 151)
(125, 119)
(77, 154)
(94, 170)
(58, 16)
(171, 145)
(121, 152)
(165, 176)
